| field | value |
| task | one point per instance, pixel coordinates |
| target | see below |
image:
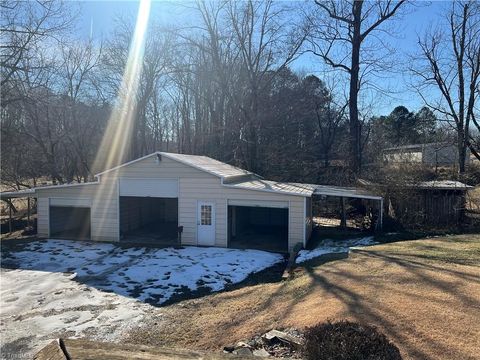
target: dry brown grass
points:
(424, 295)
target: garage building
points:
(151, 198)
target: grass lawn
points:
(423, 294)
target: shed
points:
(166, 199)
(433, 203)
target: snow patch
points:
(68, 288)
(330, 246)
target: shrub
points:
(346, 340)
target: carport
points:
(370, 203)
(261, 225)
(7, 197)
(149, 211)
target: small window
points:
(206, 215)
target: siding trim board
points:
(142, 187)
(258, 203)
(304, 228)
(71, 202)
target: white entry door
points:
(206, 223)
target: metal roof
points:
(443, 185)
(351, 192)
(17, 194)
(32, 192)
(273, 186)
(208, 164)
(232, 176)
(300, 189)
(438, 145)
(203, 163)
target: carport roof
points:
(17, 194)
(33, 191)
(300, 189)
(350, 192)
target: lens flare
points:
(118, 135)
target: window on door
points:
(206, 215)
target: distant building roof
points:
(434, 185)
(443, 185)
(418, 146)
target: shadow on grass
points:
(371, 298)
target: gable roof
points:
(203, 163)
(208, 164)
(233, 177)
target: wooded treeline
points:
(223, 87)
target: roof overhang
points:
(33, 191)
(17, 194)
(326, 190)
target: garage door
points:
(259, 203)
(69, 222)
(164, 188)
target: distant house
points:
(432, 154)
(167, 199)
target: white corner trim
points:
(304, 222)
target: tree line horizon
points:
(226, 89)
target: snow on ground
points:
(39, 306)
(329, 246)
(71, 288)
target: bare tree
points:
(449, 64)
(24, 25)
(340, 30)
(154, 66)
(77, 69)
(266, 43)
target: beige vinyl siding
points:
(194, 186)
(194, 190)
(308, 219)
(42, 217)
(148, 168)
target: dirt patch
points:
(423, 295)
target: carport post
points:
(381, 214)
(343, 220)
(10, 216)
(28, 211)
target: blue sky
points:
(98, 18)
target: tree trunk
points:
(462, 149)
(355, 136)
